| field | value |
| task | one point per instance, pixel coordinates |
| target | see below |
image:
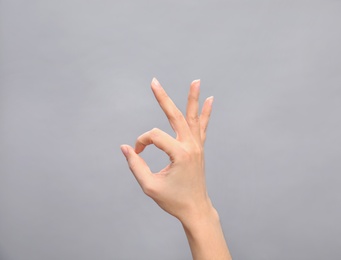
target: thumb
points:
(137, 165)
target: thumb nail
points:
(125, 150)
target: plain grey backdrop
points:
(75, 84)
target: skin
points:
(180, 187)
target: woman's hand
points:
(179, 188)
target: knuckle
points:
(178, 115)
(139, 139)
(191, 98)
(175, 115)
(191, 152)
(164, 96)
(155, 131)
(193, 119)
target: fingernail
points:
(210, 99)
(125, 150)
(196, 84)
(156, 83)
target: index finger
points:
(174, 115)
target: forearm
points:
(205, 236)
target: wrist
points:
(198, 216)
(205, 235)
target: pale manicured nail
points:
(125, 150)
(196, 82)
(210, 99)
(156, 83)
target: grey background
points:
(75, 84)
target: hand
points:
(179, 188)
